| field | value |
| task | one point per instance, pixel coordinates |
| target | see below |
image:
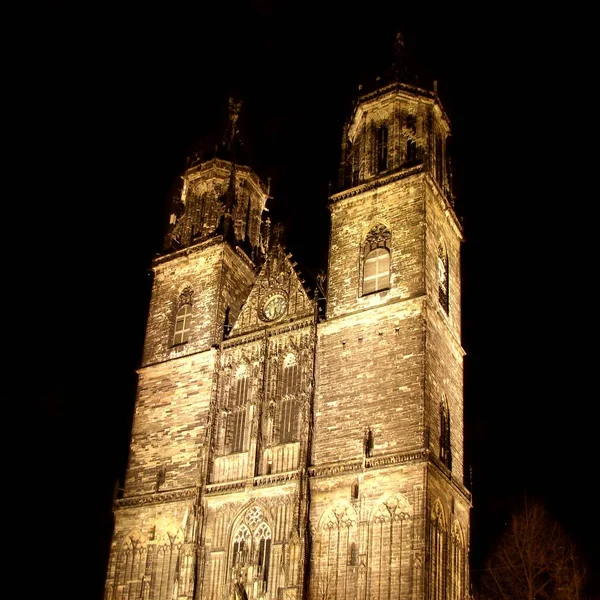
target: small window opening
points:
(382, 149)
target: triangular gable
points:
(277, 296)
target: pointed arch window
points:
(438, 553)
(443, 278)
(458, 565)
(376, 262)
(241, 546)
(445, 451)
(252, 546)
(288, 416)
(262, 537)
(382, 148)
(353, 558)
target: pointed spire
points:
(232, 130)
(400, 64)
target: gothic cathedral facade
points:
(291, 444)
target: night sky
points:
(117, 98)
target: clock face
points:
(274, 307)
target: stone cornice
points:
(259, 481)
(342, 468)
(156, 498)
(226, 486)
(374, 184)
(159, 261)
(276, 479)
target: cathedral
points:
(305, 442)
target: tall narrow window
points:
(376, 265)
(439, 158)
(239, 425)
(438, 550)
(288, 422)
(382, 148)
(445, 451)
(262, 537)
(443, 277)
(353, 555)
(182, 324)
(241, 546)
(237, 407)
(411, 151)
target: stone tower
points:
(280, 452)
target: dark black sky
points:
(116, 98)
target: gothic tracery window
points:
(288, 416)
(337, 540)
(443, 277)
(252, 547)
(376, 265)
(389, 532)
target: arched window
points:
(241, 546)
(443, 277)
(445, 451)
(438, 553)
(458, 565)
(376, 265)
(288, 416)
(382, 148)
(262, 538)
(252, 547)
(353, 555)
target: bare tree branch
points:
(534, 560)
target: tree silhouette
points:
(534, 560)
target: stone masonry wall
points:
(398, 206)
(169, 426)
(366, 544)
(369, 374)
(444, 367)
(203, 268)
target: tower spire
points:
(400, 64)
(232, 130)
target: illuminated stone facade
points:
(287, 445)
